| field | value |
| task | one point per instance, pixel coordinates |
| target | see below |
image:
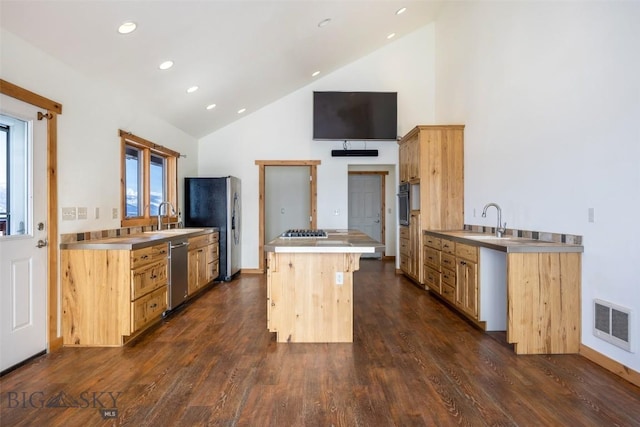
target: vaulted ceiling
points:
(240, 54)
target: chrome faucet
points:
(500, 229)
(173, 211)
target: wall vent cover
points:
(612, 323)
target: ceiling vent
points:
(612, 323)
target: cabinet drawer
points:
(467, 252)
(448, 246)
(202, 241)
(448, 292)
(404, 246)
(148, 308)
(145, 256)
(432, 258)
(432, 279)
(215, 237)
(448, 277)
(432, 242)
(448, 261)
(404, 233)
(404, 262)
(148, 278)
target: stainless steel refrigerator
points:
(215, 202)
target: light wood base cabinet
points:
(203, 260)
(110, 296)
(535, 297)
(543, 294)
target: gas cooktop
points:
(302, 234)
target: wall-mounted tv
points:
(355, 116)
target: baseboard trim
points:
(610, 365)
(55, 344)
(251, 271)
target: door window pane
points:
(133, 180)
(4, 172)
(157, 185)
(15, 176)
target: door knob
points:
(41, 243)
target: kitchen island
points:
(310, 285)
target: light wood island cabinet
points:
(310, 285)
(432, 158)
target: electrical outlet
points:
(592, 215)
(82, 213)
(339, 278)
(114, 213)
(68, 214)
(336, 212)
(97, 213)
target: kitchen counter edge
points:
(509, 244)
(135, 241)
(337, 241)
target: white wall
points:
(88, 141)
(282, 131)
(550, 95)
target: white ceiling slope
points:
(241, 54)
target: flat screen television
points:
(355, 116)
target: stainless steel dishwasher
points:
(178, 279)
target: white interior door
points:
(23, 213)
(287, 199)
(365, 206)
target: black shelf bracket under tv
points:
(354, 153)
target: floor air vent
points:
(612, 323)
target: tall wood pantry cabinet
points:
(431, 159)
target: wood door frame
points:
(383, 205)
(54, 341)
(262, 164)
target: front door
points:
(365, 206)
(23, 233)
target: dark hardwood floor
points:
(413, 362)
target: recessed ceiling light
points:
(127, 27)
(315, 73)
(242, 110)
(166, 65)
(392, 35)
(401, 11)
(324, 22)
(211, 106)
(192, 89)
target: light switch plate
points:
(68, 214)
(82, 213)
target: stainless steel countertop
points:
(137, 241)
(507, 244)
(337, 241)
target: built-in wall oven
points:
(404, 204)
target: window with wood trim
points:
(148, 178)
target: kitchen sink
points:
(175, 231)
(488, 237)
